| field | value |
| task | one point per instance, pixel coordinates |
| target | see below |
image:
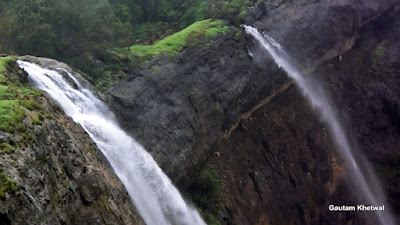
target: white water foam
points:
(152, 192)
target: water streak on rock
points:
(362, 177)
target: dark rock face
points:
(315, 31)
(278, 162)
(61, 175)
(280, 166)
(181, 108)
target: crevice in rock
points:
(256, 107)
(4, 220)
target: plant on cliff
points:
(84, 33)
(3, 64)
(13, 99)
(7, 185)
(207, 193)
(174, 43)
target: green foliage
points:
(30, 104)
(14, 99)
(63, 28)
(209, 218)
(378, 53)
(207, 193)
(6, 148)
(11, 115)
(104, 202)
(230, 10)
(7, 185)
(36, 120)
(174, 43)
(3, 63)
(65, 183)
(141, 32)
(29, 92)
(82, 33)
(57, 201)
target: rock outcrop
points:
(52, 172)
(315, 31)
(273, 154)
(280, 166)
(180, 108)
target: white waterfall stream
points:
(362, 178)
(152, 192)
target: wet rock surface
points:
(180, 108)
(278, 162)
(280, 166)
(60, 174)
(315, 31)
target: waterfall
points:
(362, 178)
(152, 192)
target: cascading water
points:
(152, 192)
(362, 180)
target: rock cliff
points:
(51, 171)
(227, 104)
(281, 159)
(180, 108)
(280, 167)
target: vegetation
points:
(104, 202)
(13, 100)
(57, 200)
(207, 193)
(378, 53)
(6, 148)
(86, 34)
(7, 185)
(175, 43)
(3, 63)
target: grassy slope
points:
(174, 43)
(15, 99)
(16, 103)
(197, 33)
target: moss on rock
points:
(7, 185)
(4, 61)
(14, 99)
(174, 43)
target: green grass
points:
(3, 91)
(10, 115)
(6, 148)
(4, 61)
(15, 100)
(28, 91)
(174, 43)
(7, 185)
